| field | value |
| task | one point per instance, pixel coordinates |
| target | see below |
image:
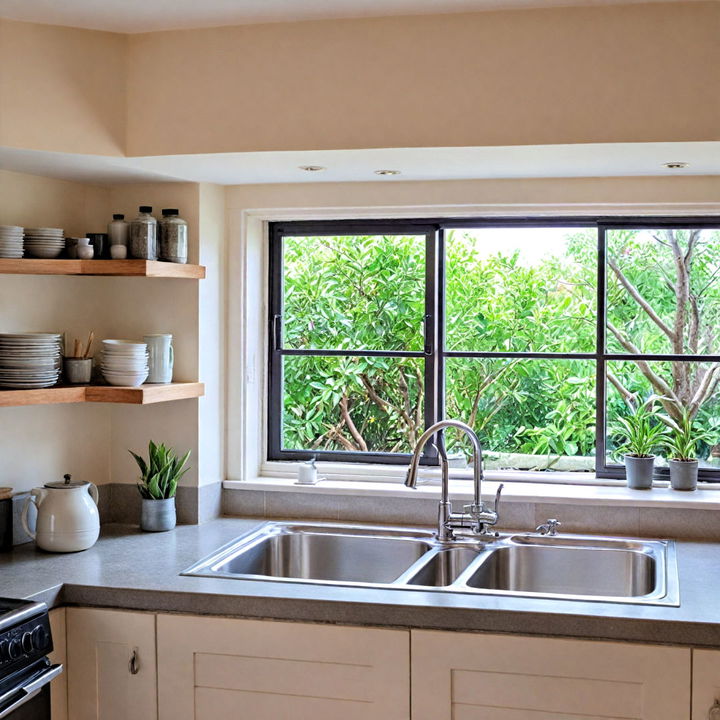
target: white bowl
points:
(126, 380)
(48, 254)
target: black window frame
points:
(434, 353)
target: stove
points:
(25, 670)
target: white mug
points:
(161, 358)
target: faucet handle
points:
(549, 528)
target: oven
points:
(27, 697)
(25, 670)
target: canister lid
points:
(145, 208)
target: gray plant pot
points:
(157, 515)
(639, 471)
(683, 474)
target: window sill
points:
(616, 495)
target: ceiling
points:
(543, 161)
(135, 16)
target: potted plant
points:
(641, 435)
(681, 444)
(158, 485)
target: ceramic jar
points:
(67, 516)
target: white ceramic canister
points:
(67, 516)
(162, 357)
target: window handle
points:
(427, 350)
(276, 330)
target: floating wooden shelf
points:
(116, 268)
(143, 395)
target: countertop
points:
(128, 569)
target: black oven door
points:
(30, 698)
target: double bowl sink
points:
(569, 567)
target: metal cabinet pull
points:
(714, 711)
(134, 665)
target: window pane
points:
(521, 289)
(663, 291)
(352, 404)
(529, 414)
(354, 292)
(694, 386)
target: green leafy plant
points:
(640, 432)
(162, 472)
(682, 441)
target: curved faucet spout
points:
(477, 515)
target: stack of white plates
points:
(29, 360)
(11, 241)
(44, 242)
(124, 362)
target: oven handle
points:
(29, 690)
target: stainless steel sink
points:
(570, 567)
(561, 566)
(320, 553)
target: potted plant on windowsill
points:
(641, 434)
(681, 444)
(158, 485)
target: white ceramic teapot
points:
(67, 516)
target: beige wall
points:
(636, 73)
(662, 194)
(62, 89)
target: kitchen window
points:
(539, 333)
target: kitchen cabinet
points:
(223, 669)
(705, 684)
(502, 677)
(111, 671)
(58, 688)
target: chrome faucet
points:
(475, 516)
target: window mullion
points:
(432, 309)
(600, 365)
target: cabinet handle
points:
(714, 711)
(134, 665)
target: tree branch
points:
(703, 392)
(640, 300)
(345, 413)
(668, 397)
(629, 397)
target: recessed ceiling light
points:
(312, 168)
(675, 165)
(387, 172)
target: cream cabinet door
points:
(111, 665)
(706, 685)
(225, 669)
(58, 688)
(460, 676)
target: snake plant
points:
(162, 472)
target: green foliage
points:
(681, 443)
(640, 432)
(502, 294)
(162, 472)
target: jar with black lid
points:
(143, 235)
(173, 237)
